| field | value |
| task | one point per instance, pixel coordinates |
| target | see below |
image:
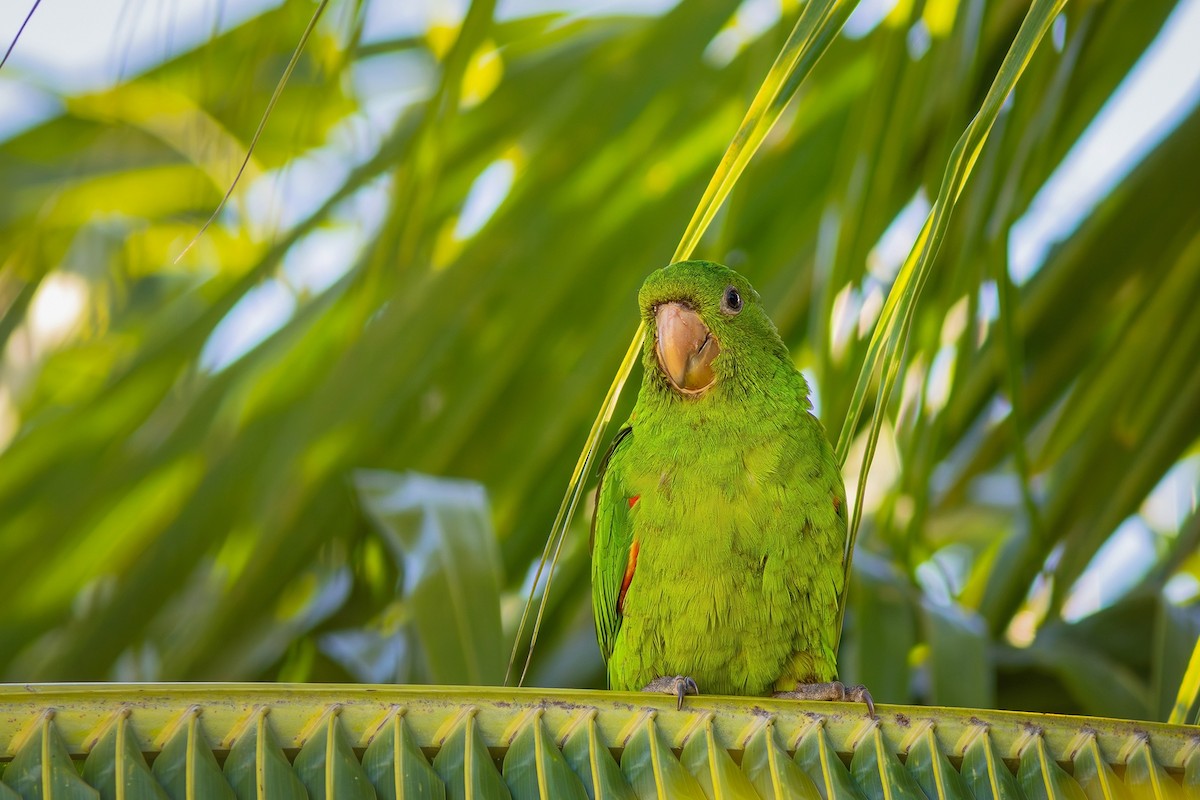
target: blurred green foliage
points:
(181, 440)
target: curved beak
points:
(685, 348)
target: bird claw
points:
(678, 685)
(834, 690)
(859, 694)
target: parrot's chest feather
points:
(732, 536)
(685, 473)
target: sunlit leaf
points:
(1189, 689)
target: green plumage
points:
(731, 500)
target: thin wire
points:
(20, 30)
(262, 123)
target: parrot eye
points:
(731, 303)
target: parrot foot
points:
(834, 690)
(678, 685)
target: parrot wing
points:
(613, 550)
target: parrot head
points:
(707, 329)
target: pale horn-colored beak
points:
(685, 348)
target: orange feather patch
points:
(629, 568)
(633, 500)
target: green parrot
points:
(720, 519)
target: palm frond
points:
(399, 741)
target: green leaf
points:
(471, 728)
(1191, 773)
(328, 767)
(1043, 779)
(774, 775)
(877, 655)
(534, 767)
(283, 79)
(43, 768)
(985, 773)
(709, 763)
(879, 773)
(651, 769)
(116, 766)
(439, 533)
(187, 768)
(961, 669)
(1094, 775)
(1189, 687)
(1098, 682)
(817, 757)
(891, 333)
(257, 767)
(396, 765)
(818, 25)
(465, 765)
(1146, 778)
(593, 763)
(932, 770)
